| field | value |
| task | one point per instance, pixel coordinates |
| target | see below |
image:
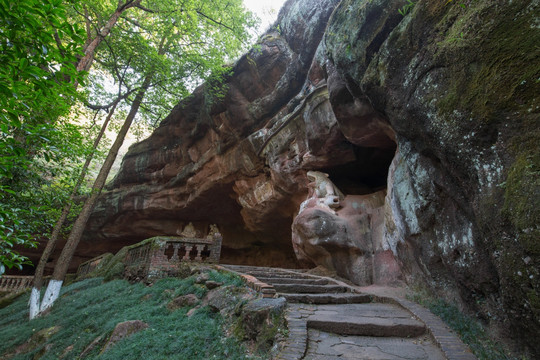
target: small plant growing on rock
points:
(405, 9)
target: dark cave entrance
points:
(367, 174)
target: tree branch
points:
(214, 21)
(107, 106)
(145, 9)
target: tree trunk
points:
(86, 61)
(38, 275)
(60, 270)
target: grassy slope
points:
(92, 308)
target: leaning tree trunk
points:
(85, 62)
(60, 270)
(38, 276)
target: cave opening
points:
(367, 174)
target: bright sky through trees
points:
(266, 10)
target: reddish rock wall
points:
(233, 162)
(438, 109)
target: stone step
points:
(282, 280)
(340, 298)
(310, 289)
(371, 319)
(282, 275)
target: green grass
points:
(469, 329)
(92, 308)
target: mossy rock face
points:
(459, 87)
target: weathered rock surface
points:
(260, 314)
(182, 301)
(438, 109)
(459, 89)
(204, 162)
(124, 330)
(345, 236)
(224, 299)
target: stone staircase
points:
(328, 319)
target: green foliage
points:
(405, 9)
(40, 42)
(522, 185)
(469, 329)
(181, 49)
(461, 4)
(38, 53)
(226, 278)
(91, 308)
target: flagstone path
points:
(328, 319)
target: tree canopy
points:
(159, 50)
(38, 53)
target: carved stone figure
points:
(190, 231)
(321, 188)
(213, 232)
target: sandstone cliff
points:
(428, 123)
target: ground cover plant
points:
(91, 308)
(468, 328)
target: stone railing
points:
(162, 255)
(10, 283)
(89, 266)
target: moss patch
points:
(522, 188)
(493, 59)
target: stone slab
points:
(284, 280)
(323, 345)
(311, 289)
(340, 298)
(366, 320)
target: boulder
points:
(347, 240)
(260, 319)
(182, 301)
(225, 299)
(124, 330)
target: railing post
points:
(174, 257)
(200, 248)
(188, 251)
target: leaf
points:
(23, 63)
(9, 191)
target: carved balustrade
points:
(164, 254)
(89, 266)
(10, 283)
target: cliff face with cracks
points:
(427, 123)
